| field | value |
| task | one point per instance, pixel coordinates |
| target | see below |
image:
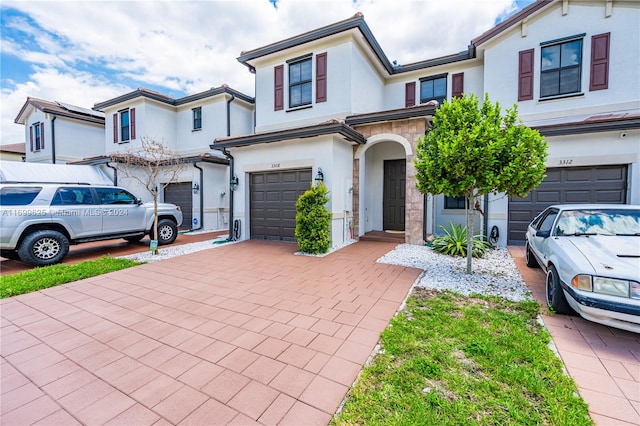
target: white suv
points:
(39, 221)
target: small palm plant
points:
(454, 242)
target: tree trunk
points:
(155, 220)
(469, 211)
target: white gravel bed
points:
(179, 250)
(493, 275)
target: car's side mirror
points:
(543, 234)
(139, 201)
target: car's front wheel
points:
(42, 248)
(555, 295)
(167, 232)
(529, 258)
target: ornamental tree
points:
(474, 150)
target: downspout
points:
(231, 169)
(53, 139)
(229, 114)
(115, 173)
(201, 197)
(231, 174)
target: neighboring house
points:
(329, 100)
(12, 152)
(184, 126)
(57, 132)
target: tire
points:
(134, 239)
(555, 295)
(167, 231)
(529, 258)
(42, 248)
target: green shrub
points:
(454, 242)
(313, 221)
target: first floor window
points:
(451, 203)
(124, 125)
(561, 68)
(197, 118)
(300, 82)
(433, 88)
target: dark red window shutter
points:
(115, 128)
(525, 75)
(321, 77)
(599, 62)
(41, 135)
(132, 125)
(278, 86)
(457, 85)
(410, 94)
(31, 138)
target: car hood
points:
(611, 256)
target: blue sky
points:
(84, 52)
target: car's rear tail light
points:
(582, 282)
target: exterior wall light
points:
(234, 183)
(319, 176)
(196, 187)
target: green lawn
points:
(49, 276)
(454, 360)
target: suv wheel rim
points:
(165, 233)
(46, 248)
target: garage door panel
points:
(602, 184)
(546, 196)
(577, 196)
(578, 175)
(611, 174)
(272, 214)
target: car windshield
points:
(604, 222)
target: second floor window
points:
(124, 126)
(433, 88)
(37, 137)
(561, 68)
(300, 82)
(197, 118)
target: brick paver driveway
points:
(246, 333)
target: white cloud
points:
(189, 46)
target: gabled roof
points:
(150, 94)
(357, 22)
(60, 109)
(15, 148)
(327, 128)
(509, 22)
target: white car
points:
(591, 253)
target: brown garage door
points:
(180, 194)
(603, 184)
(273, 197)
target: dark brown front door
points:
(393, 201)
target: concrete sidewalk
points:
(245, 333)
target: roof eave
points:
(342, 129)
(588, 127)
(355, 22)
